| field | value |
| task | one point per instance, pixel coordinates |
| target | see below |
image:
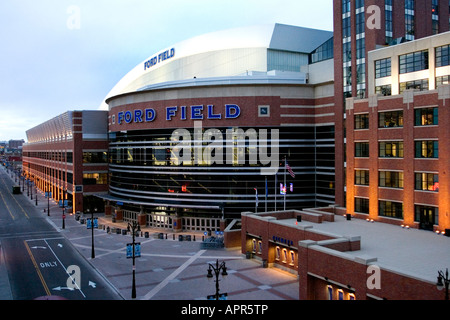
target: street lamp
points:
(133, 227)
(443, 282)
(63, 210)
(216, 268)
(48, 201)
(93, 226)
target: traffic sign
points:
(222, 296)
(89, 223)
(137, 250)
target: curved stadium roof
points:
(227, 53)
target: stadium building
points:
(205, 129)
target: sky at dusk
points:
(59, 55)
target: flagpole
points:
(284, 186)
(267, 191)
(256, 202)
(276, 188)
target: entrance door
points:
(426, 218)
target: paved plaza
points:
(176, 270)
(169, 269)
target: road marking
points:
(21, 208)
(3, 180)
(7, 207)
(41, 277)
(65, 269)
(110, 251)
(63, 288)
(172, 276)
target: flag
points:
(256, 194)
(288, 167)
(267, 189)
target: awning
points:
(109, 197)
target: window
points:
(292, 261)
(388, 20)
(69, 157)
(435, 16)
(435, 7)
(414, 61)
(434, 26)
(360, 23)
(361, 205)
(346, 31)
(427, 216)
(409, 26)
(426, 181)
(390, 149)
(347, 76)
(442, 80)
(285, 256)
(361, 48)
(264, 111)
(362, 121)
(95, 157)
(420, 85)
(361, 74)
(362, 177)
(345, 6)
(383, 68)
(324, 52)
(427, 149)
(330, 292)
(361, 149)
(390, 119)
(347, 52)
(390, 209)
(95, 178)
(385, 90)
(442, 56)
(409, 19)
(409, 4)
(391, 179)
(426, 116)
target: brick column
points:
(177, 224)
(119, 215)
(142, 219)
(303, 249)
(108, 210)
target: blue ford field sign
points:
(168, 54)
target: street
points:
(41, 263)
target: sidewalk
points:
(168, 269)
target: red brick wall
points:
(351, 276)
(408, 164)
